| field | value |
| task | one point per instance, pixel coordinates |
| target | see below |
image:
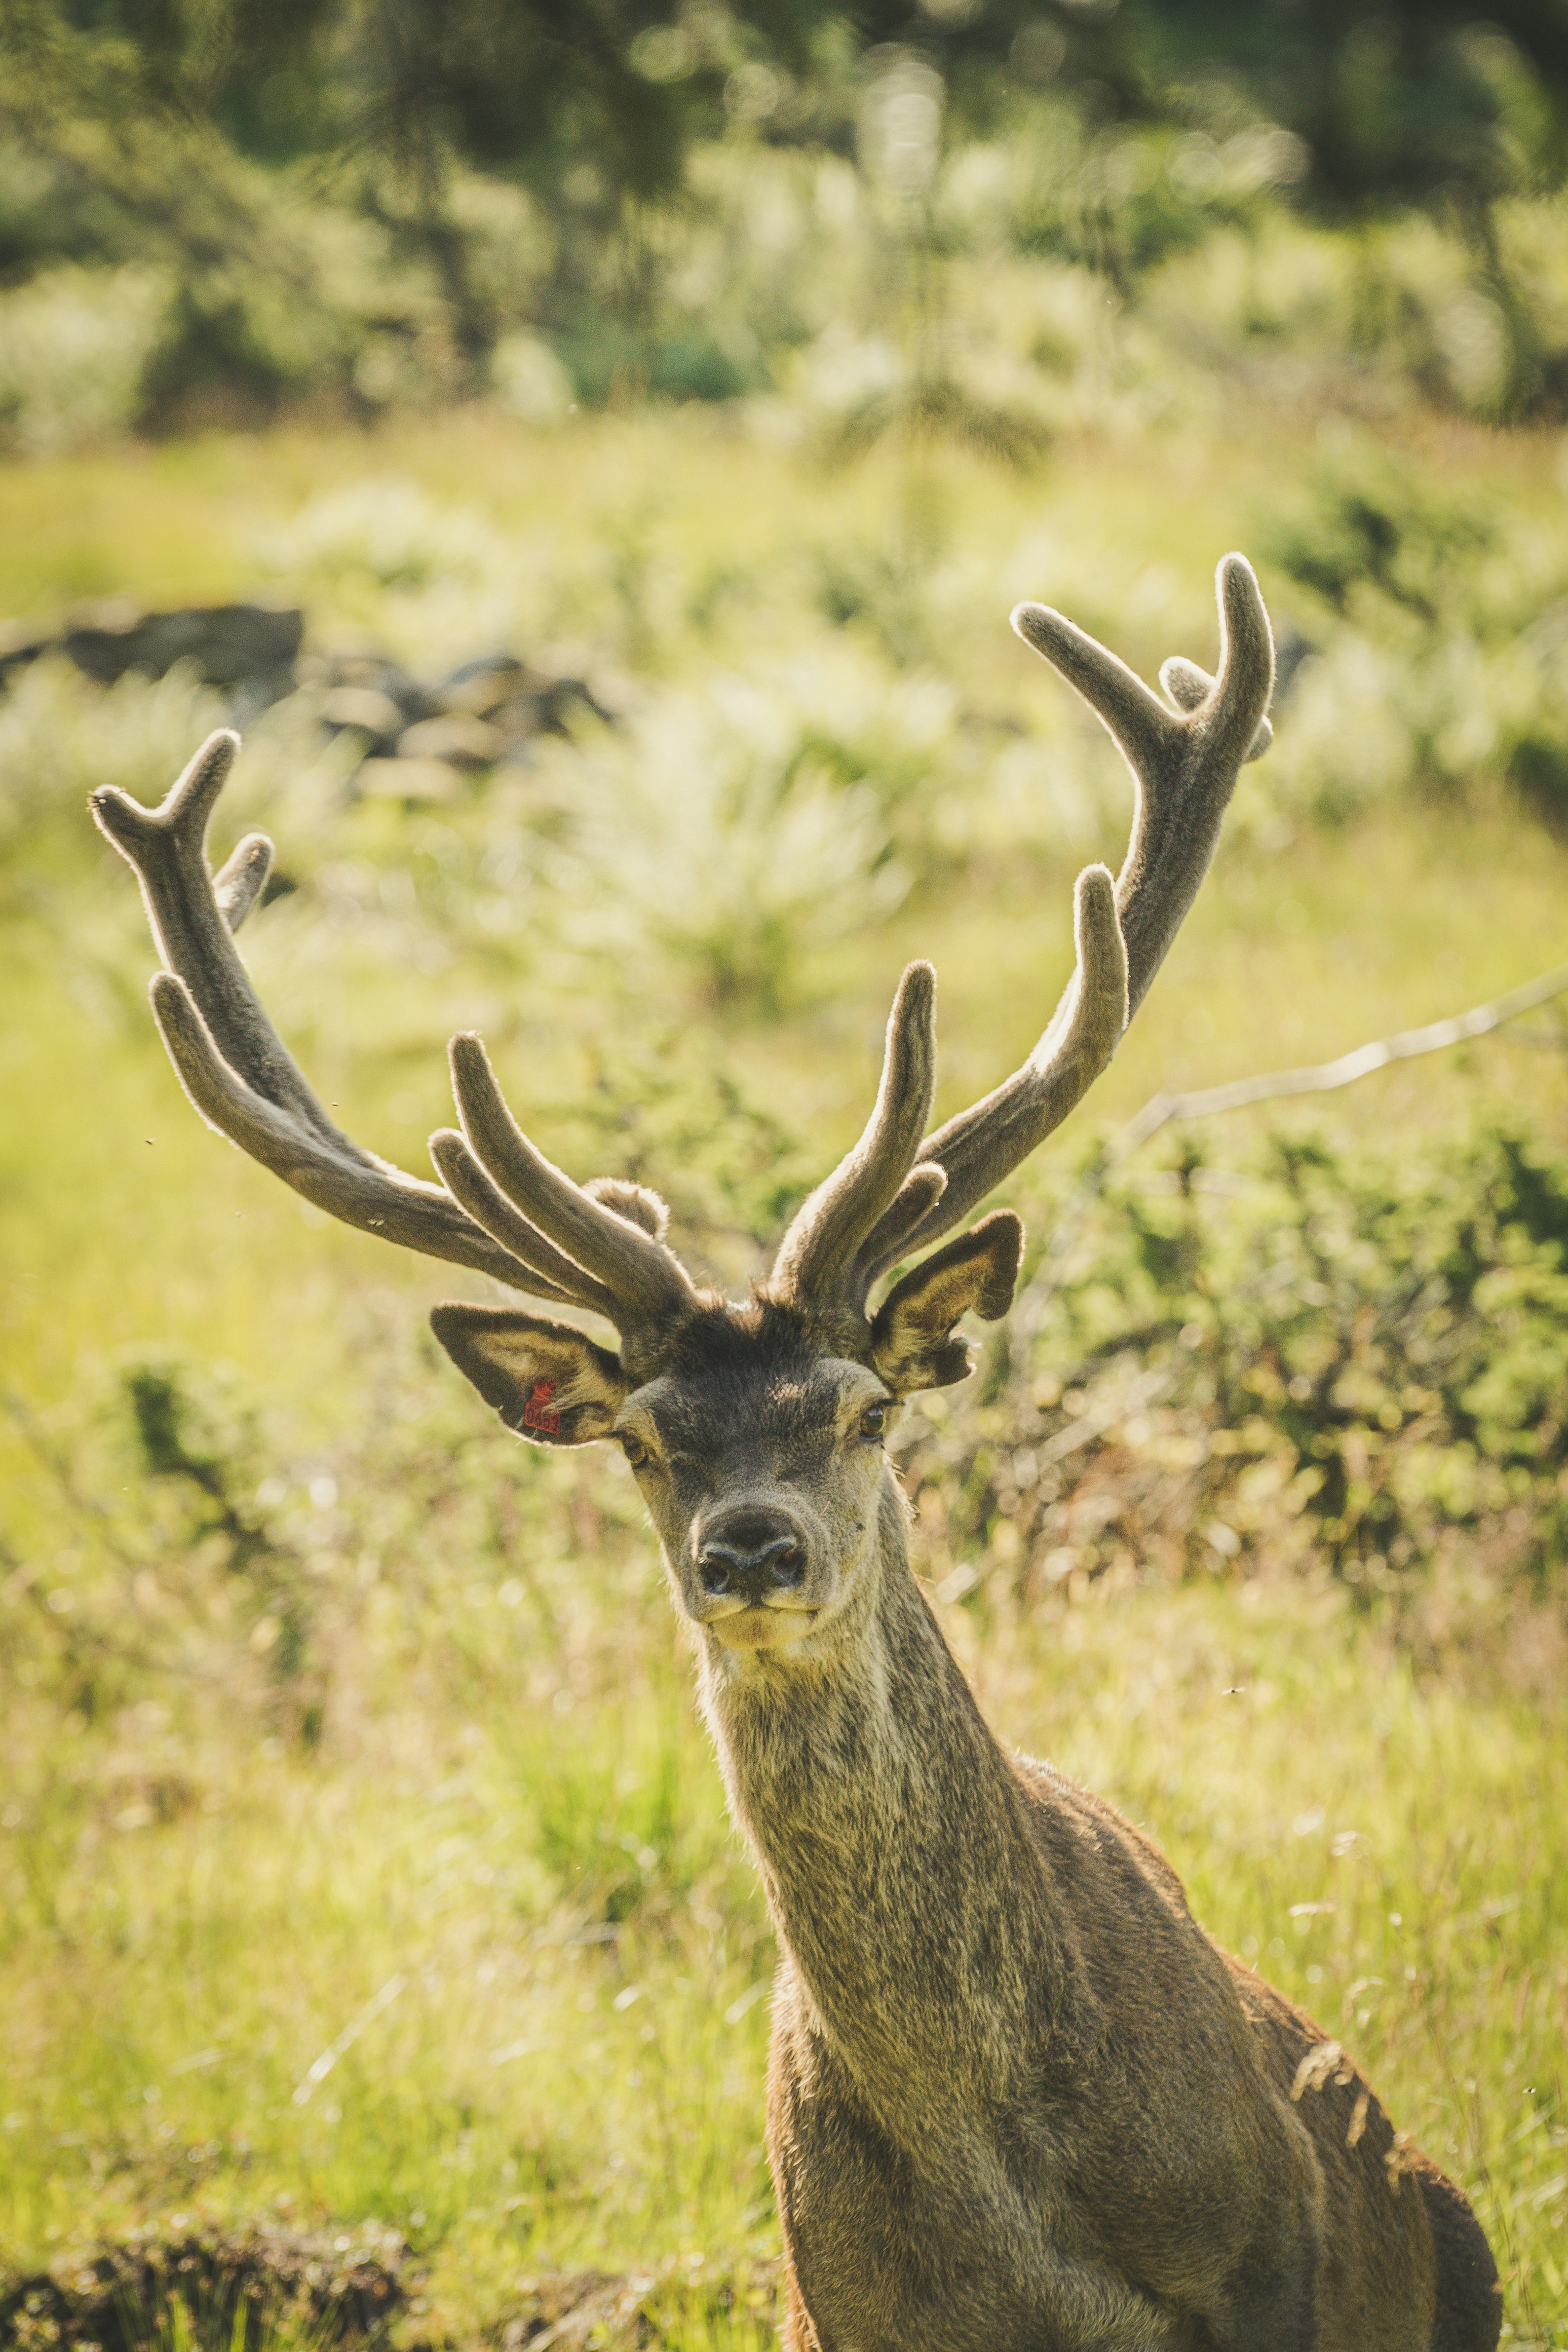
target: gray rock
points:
(376, 671)
(229, 643)
(18, 647)
(368, 710)
(464, 743)
(476, 688)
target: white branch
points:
(1321, 1077)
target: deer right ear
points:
(546, 1381)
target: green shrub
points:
(1435, 637)
(76, 349)
(733, 827)
(1322, 1359)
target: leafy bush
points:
(730, 829)
(61, 736)
(433, 583)
(388, 532)
(1325, 1359)
(75, 346)
(1373, 532)
(1438, 642)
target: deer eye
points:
(633, 1447)
(873, 1422)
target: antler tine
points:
(920, 1191)
(983, 1144)
(554, 1276)
(646, 1281)
(817, 1255)
(166, 845)
(241, 878)
(229, 1058)
(1182, 801)
(1185, 764)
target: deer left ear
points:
(913, 1343)
(546, 1381)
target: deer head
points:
(755, 1430)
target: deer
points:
(1018, 2100)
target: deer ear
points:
(546, 1381)
(912, 1344)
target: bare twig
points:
(1322, 1077)
(1325, 1077)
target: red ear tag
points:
(537, 1413)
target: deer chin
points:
(761, 1628)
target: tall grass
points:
(361, 1858)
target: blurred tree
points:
(1383, 105)
(145, 117)
(1397, 101)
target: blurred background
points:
(591, 450)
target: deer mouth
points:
(762, 1625)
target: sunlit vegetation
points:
(361, 1861)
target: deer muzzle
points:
(752, 1563)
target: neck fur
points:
(892, 1837)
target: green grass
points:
(567, 2067)
(479, 1797)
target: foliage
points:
(737, 822)
(354, 1804)
(1343, 1361)
(380, 207)
(74, 350)
(522, 2018)
(1447, 629)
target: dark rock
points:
(476, 688)
(18, 647)
(545, 709)
(464, 743)
(561, 698)
(368, 710)
(378, 672)
(229, 643)
(498, 664)
(521, 717)
(515, 696)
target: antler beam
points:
(1185, 758)
(1185, 762)
(818, 1250)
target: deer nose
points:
(761, 1554)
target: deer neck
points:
(892, 1836)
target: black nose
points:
(751, 1553)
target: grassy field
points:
(361, 1858)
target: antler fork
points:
(506, 1210)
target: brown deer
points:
(1017, 2100)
